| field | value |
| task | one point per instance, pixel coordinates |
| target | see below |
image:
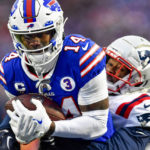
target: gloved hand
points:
(8, 141)
(28, 125)
(47, 143)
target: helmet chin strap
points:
(41, 63)
(41, 70)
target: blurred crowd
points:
(101, 20)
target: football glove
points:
(8, 141)
(28, 125)
(47, 143)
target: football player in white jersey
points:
(128, 73)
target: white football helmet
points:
(31, 18)
(133, 53)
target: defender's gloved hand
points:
(8, 141)
(47, 143)
(28, 125)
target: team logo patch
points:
(67, 84)
(144, 119)
(144, 56)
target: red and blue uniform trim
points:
(29, 11)
(91, 59)
(125, 108)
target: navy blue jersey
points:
(79, 61)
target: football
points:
(53, 110)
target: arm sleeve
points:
(91, 125)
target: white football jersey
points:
(130, 110)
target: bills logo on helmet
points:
(14, 7)
(144, 119)
(30, 26)
(145, 57)
(49, 23)
(52, 4)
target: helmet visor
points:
(116, 70)
(36, 41)
(119, 69)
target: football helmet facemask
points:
(132, 56)
(37, 29)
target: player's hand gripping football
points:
(28, 125)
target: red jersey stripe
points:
(93, 63)
(4, 81)
(127, 112)
(88, 54)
